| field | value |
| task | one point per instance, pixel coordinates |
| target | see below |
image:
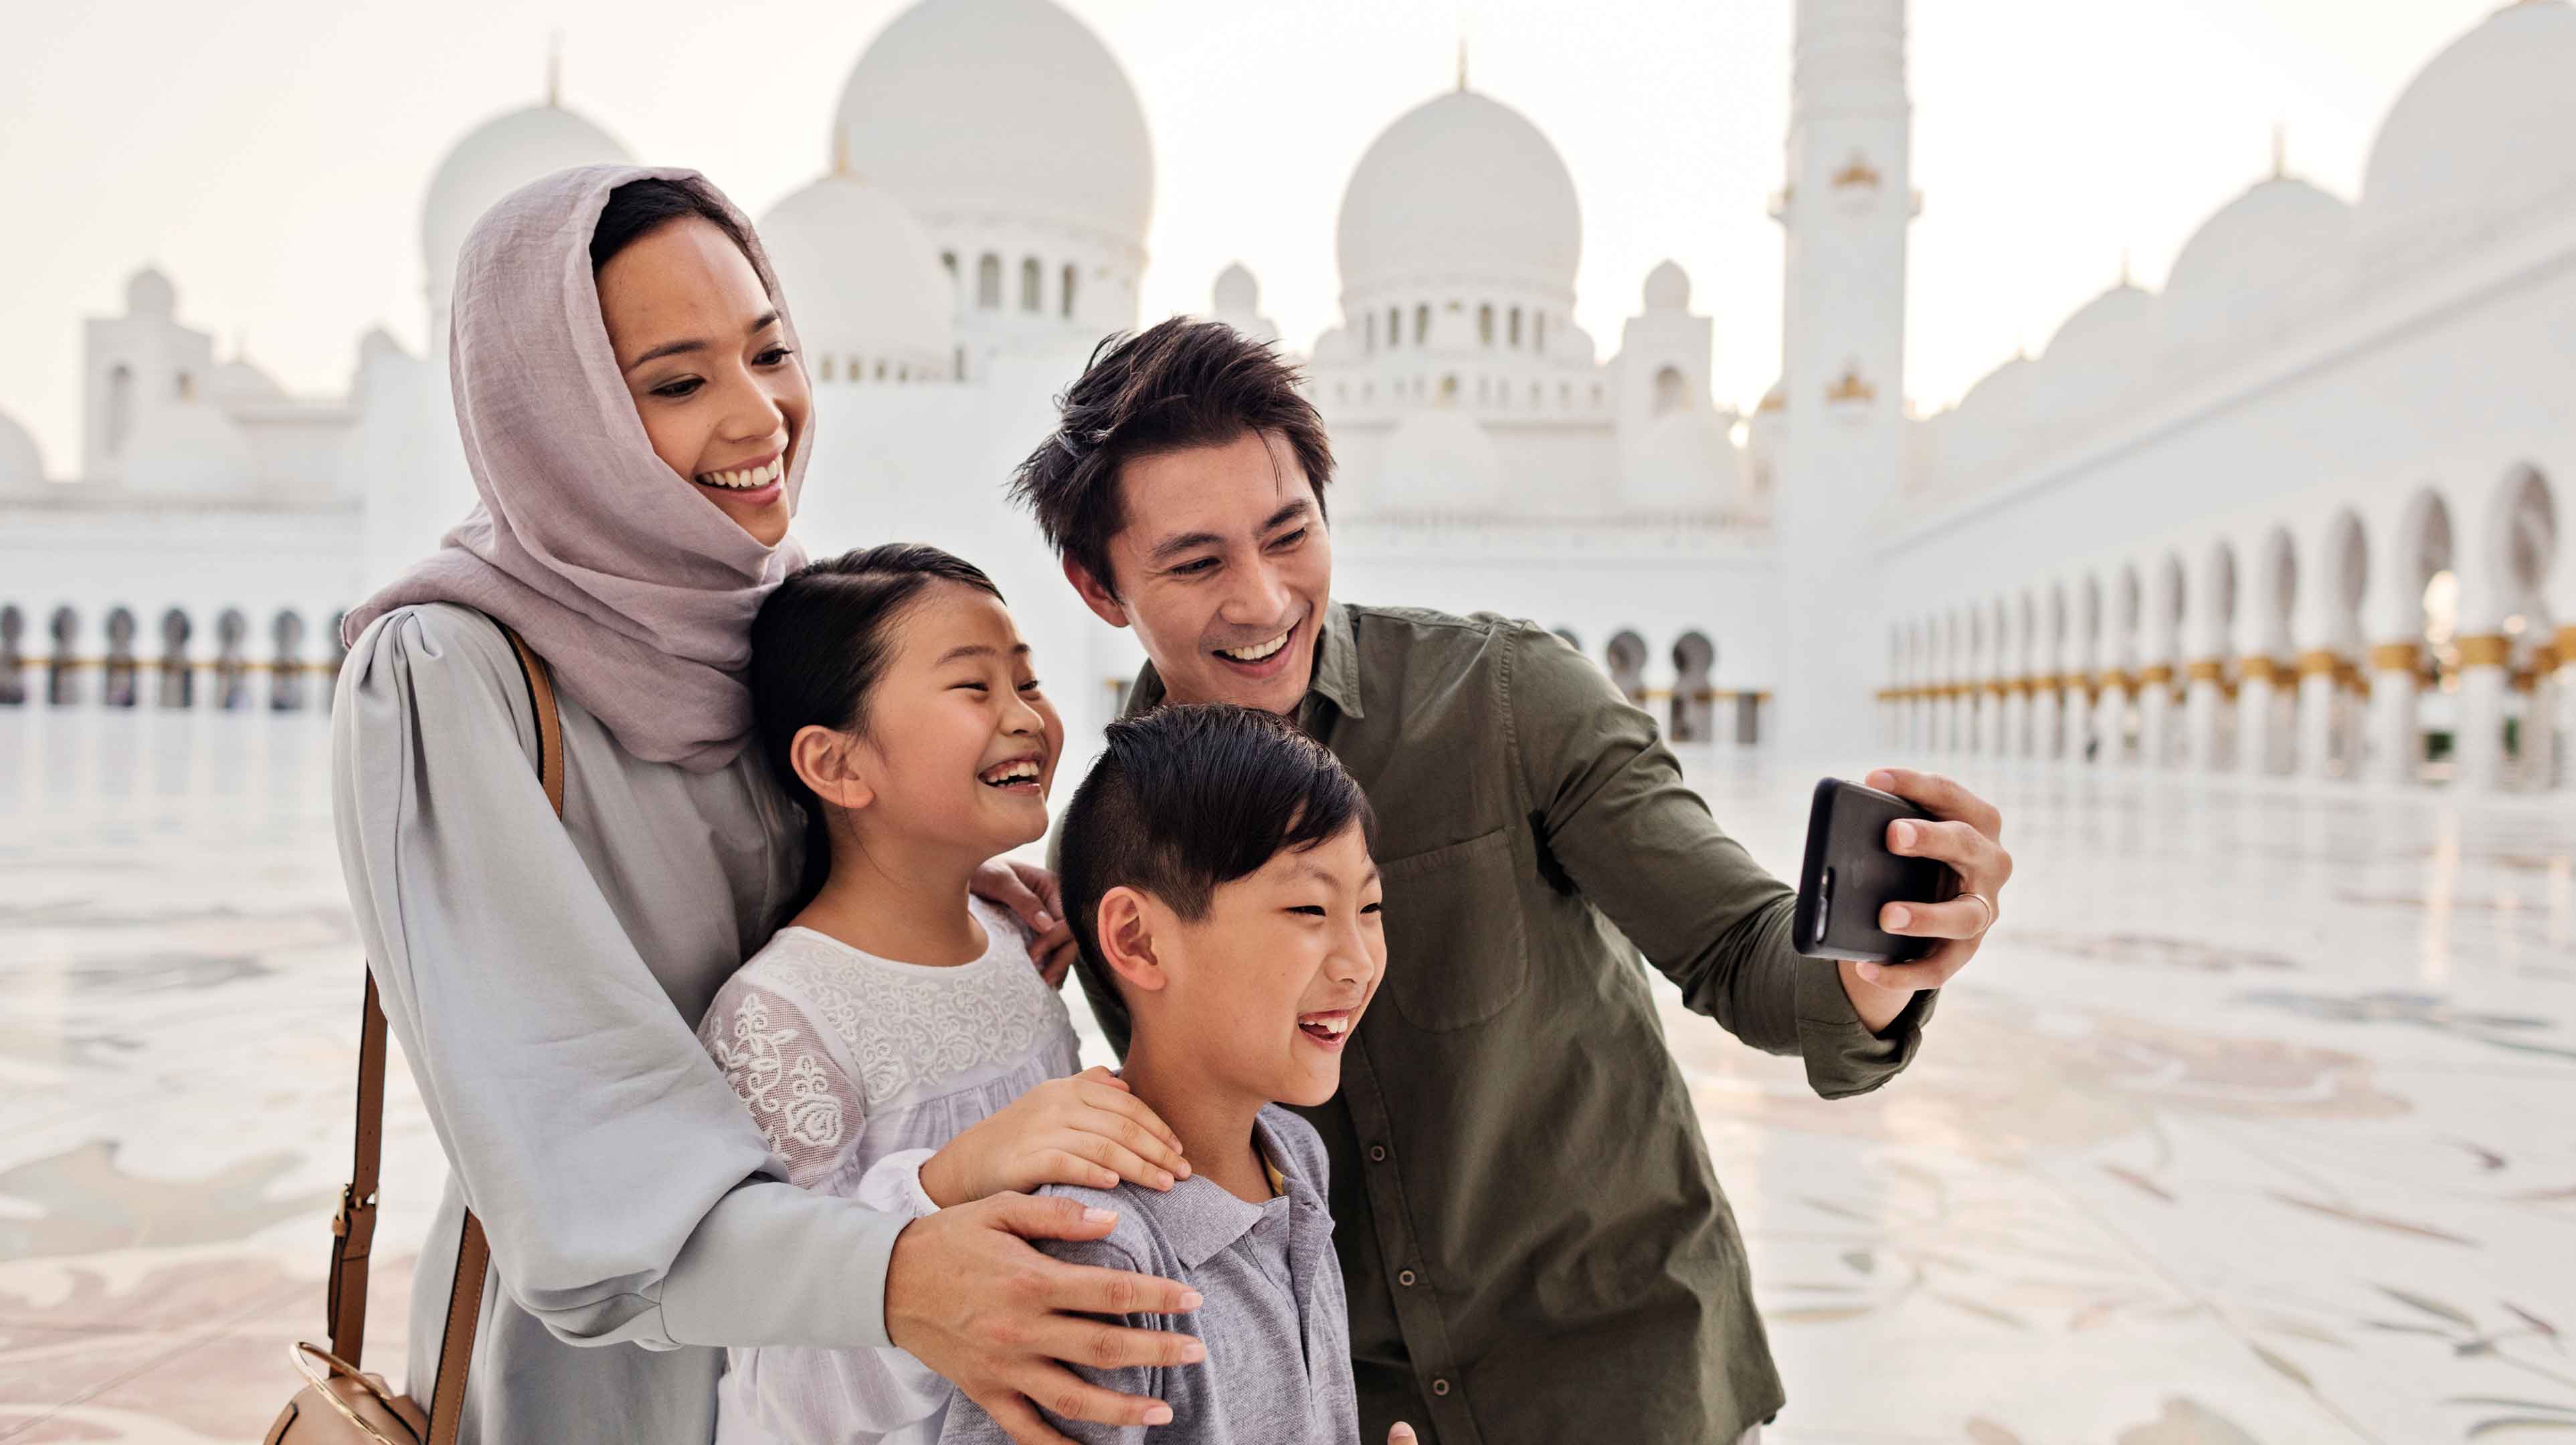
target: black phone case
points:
(1849, 876)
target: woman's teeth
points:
(745, 479)
(1257, 651)
(1023, 771)
(1328, 1025)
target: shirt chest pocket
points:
(1457, 948)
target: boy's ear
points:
(1126, 932)
(827, 761)
(1104, 604)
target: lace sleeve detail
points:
(807, 1109)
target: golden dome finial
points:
(554, 70)
(2280, 151)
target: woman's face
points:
(698, 339)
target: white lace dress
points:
(849, 1062)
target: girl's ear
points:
(827, 761)
(1125, 927)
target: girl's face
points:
(722, 398)
(961, 746)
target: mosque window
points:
(961, 364)
(1032, 284)
(827, 368)
(1538, 331)
(1672, 391)
(1421, 325)
(1564, 393)
(949, 260)
(988, 283)
(1064, 302)
(1372, 331)
(1449, 388)
(1596, 393)
(903, 372)
(880, 369)
(1537, 397)
(1394, 328)
(187, 386)
(1516, 326)
(120, 407)
(1485, 325)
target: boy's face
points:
(1267, 988)
(1224, 569)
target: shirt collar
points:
(1337, 670)
(1201, 1218)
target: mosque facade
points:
(2355, 410)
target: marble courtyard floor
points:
(2255, 1122)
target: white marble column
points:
(2477, 748)
(2319, 683)
(2156, 720)
(2397, 742)
(2204, 705)
(2258, 705)
(2562, 686)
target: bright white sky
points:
(271, 155)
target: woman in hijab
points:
(637, 424)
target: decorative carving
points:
(1856, 172)
(1850, 389)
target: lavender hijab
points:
(636, 589)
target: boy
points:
(1217, 874)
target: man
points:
(1534, 1243)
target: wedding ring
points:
(1987, 904)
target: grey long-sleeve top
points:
(544, 979)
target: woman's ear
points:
(827, 761)
(1125, 927)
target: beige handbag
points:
(340, 1403)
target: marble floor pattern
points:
(2255, 1122)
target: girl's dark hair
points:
(819, 645)
(637, 209)
(1187, 798)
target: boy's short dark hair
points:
(1189, 797)
(1176, 385)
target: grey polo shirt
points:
(1277, 1327)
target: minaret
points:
(1845, 208)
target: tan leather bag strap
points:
(353, 1227)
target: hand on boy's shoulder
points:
(1127, 1246)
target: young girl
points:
(894, 1041)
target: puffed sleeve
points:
(618, 1177)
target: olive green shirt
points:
(1534, 1245)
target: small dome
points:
(1685, 463)
(22, 467)
(489, 162)
(1668, 288)
(861, 276)
(1236, 292)
(189, 449)
(237, 380)
(1459, 188)
(2257, 253)
(1006, 108)
(1438, 462)
(1335, 348)
(2097, 352)
(2001, 396)
(149, 293)
(2486, 129)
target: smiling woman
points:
(702, 347)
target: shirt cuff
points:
(893, 1184)
(1843, 1057)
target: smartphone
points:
(1849, 876)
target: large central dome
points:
(1010, 109)
(1461, 188)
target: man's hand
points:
(1037, 900)
(970, 1298)
(1964, 835)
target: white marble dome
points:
(1667, 287)
(2486, 130)
(1011, 109)
(1461, 188)
(1685, 464)
(189, 449)
(149, 293)
(862, 278)
(1437, 463)
(489, 162)
(2255, 257)
(1236, 293)
(22, 467)
(2099, 352)
(238, 380)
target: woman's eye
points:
(685, 386)
(1029, 686)
(775, 356)
(1372, 908)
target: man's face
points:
(1224, 569)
